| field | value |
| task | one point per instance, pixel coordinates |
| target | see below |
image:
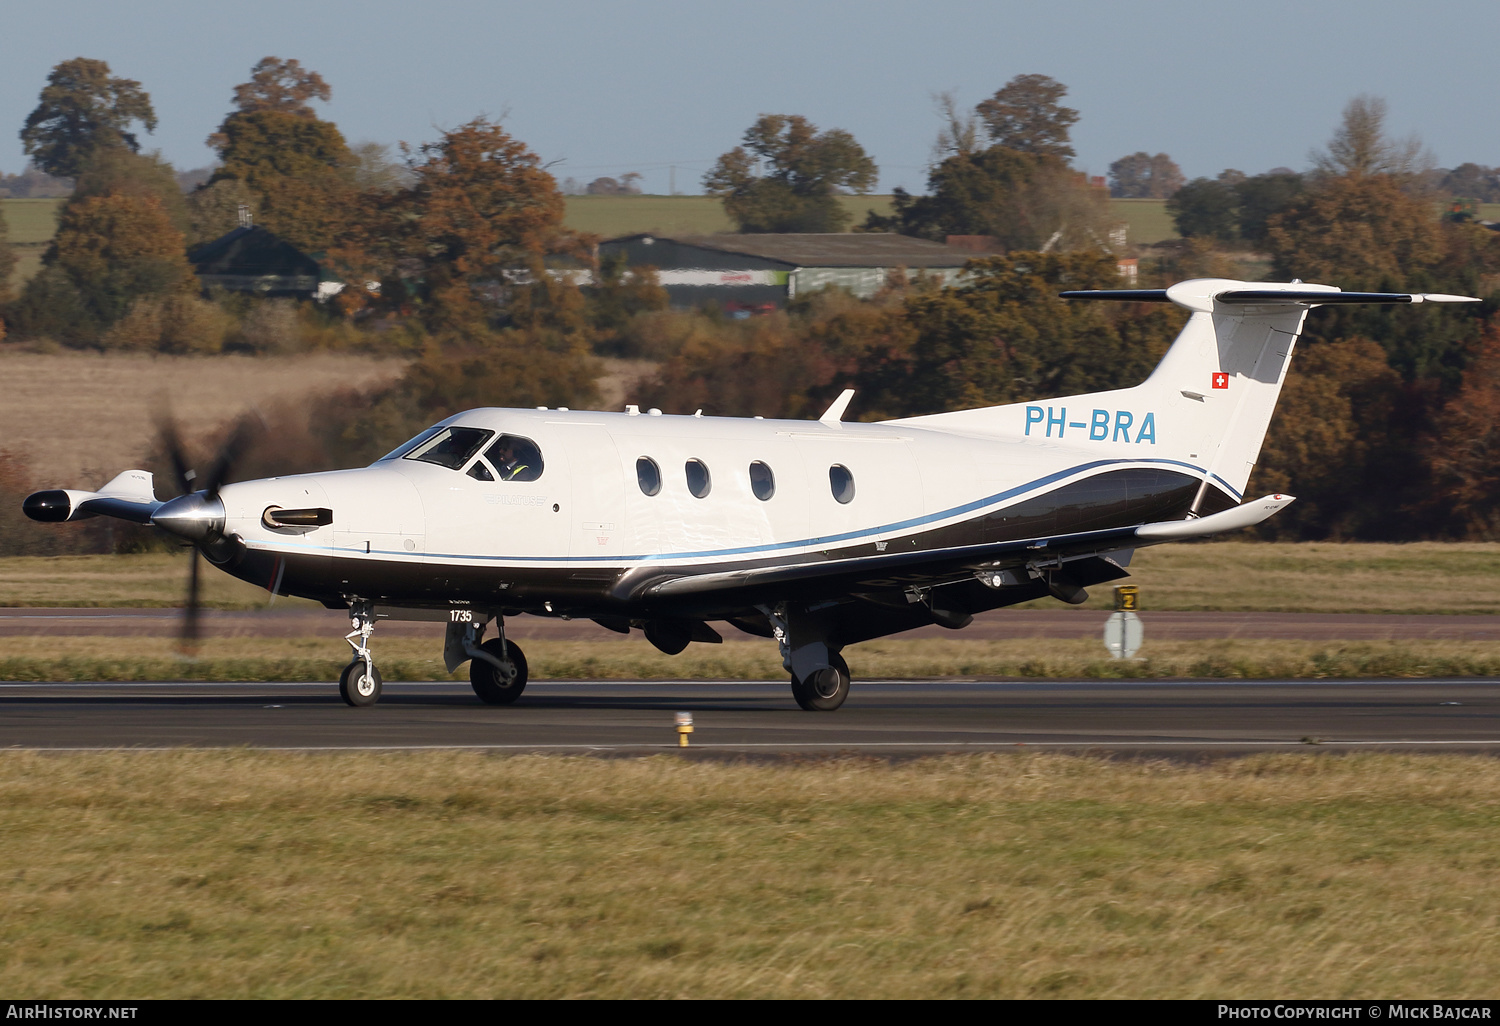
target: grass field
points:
(273, 875)
(30, 221)
(1313, 577)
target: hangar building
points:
(750, 273)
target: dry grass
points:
(271, 875)
(1315, 577)
(141, 580)
(321, 658)
(83, 417)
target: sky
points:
(605, 88)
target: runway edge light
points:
(684, 728)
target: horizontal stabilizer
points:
(1244, 515)
(1288, 295)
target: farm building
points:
(253, 259)
(749, 273)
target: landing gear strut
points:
(359, 684)
(824, 690)
(820, 676)
(497, 668)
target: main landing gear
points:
(820, 676)
(497, 668)
(500, 678)
(823, 690)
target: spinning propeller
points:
(197, 515)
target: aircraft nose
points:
(194, 517)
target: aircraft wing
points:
(937, 566)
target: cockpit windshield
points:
(450, 447)
(408, 445)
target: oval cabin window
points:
(762, 481)
(697, 477)
(842, 483)
(648, 475)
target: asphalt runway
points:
(1154, 718)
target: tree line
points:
(1389, 425)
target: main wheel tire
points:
(357, 687)
(825, 689)
(492, 687)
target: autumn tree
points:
(214, 210)
(1025, 201)
(118, 172)
(1005, 335)
(109, 251)
(1142, 176)
(1262, 196)
(1206, 208)
(1336, 444)
(83, 110)
(480, 208)
(1020, 191)
(786, 176)
(282, 86)
(1463, 450)
(1360, 146)
(1361, 232)
(300, 167)
(1026, 114)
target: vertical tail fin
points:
(1209, 402)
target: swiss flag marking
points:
(1221, 379)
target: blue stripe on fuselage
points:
(904, 525)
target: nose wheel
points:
(359, 684)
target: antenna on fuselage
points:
(836, 411)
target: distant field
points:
(612, 216)
(31, 224)
(85, 415)
(31, 220)
(1148, 219)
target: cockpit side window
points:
(515, 458)
(408, 445)
(450, 447)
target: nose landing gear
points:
(359, 684)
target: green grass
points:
(31, 220)
(1148, 219)
(612, 216)
(31, 224)
(440, 875)
(1312, 577)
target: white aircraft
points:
(818, 534)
